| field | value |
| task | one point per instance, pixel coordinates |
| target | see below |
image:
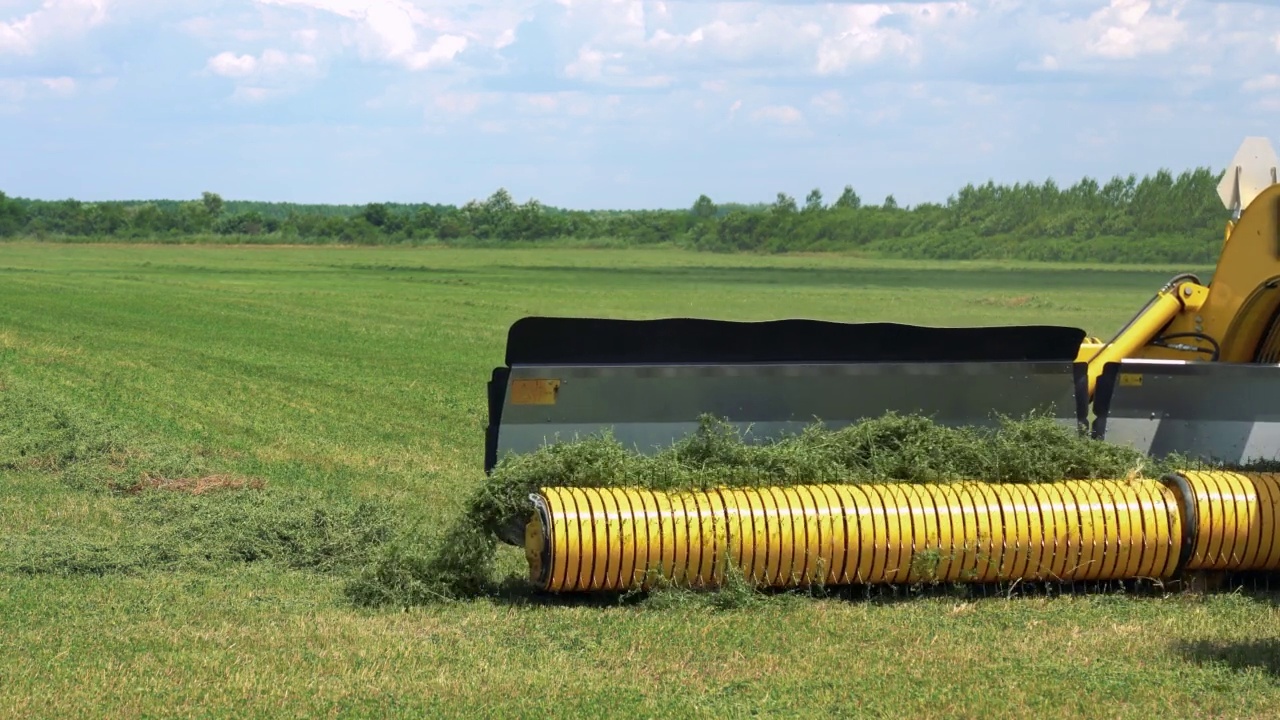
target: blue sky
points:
(621, 104)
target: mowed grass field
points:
(336, 376)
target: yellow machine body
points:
(1233, 319)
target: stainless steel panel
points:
(1217, 412)
(649, 407)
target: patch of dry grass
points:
(192, 485)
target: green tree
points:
(453, 226)
(703, 208)
(376, 214)
(848, 199)
(242, 223)
(500, 202)
(1158, 218)
(212, 203)
(193, 217)
(12, 216)
(146, 219)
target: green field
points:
(350, 384)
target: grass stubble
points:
(147, 569)
(192, 522)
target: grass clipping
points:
(893, 448)
(176, 510)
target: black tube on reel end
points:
(1190, 519)
(537, 541)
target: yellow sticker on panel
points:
(534, 392)
(1130, 380)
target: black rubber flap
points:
(1103, 391)
(497, 390)
(550, 341)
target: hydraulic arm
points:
(1183, 294)
(1235, 318)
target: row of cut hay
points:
(893, 448)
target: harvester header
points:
(1194, 372)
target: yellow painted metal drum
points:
(1234, 520)
(584, 539)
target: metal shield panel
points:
(1217, 412)
(649, 407)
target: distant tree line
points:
(1159, 218)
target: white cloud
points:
(637, 86)
(249, 94)
(355, 9)
(859, 37)
(458, 103)
(54, 21)
(589, 65)
(271, 74)
(1046, 63)
(228, 64)
(31, 88)
(13, 38)
(773, 39)
(442, 52)
(1129, 28)
(860, 47)
(593, 66)
(830, 102)
(388, 31)
(61, 86)
(1267, 90)
(738, 35)
(306, 37)
(271, 63)
(780, 114)
(567, 104)
(542, 102)
(1261, 83)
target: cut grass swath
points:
(893, 448)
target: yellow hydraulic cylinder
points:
(1162, 309)
(1234, 520)
(586, 539)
